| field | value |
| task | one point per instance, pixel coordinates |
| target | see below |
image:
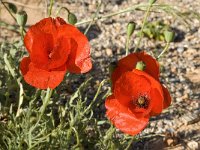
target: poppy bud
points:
(72, 18)
(12, 8)
(140, 65)
(130, 28)
(152, 1)
(21, 18)
(169, 36)
(112, 67)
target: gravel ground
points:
(178, 127)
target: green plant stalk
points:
(127, 45)
(109, 134)
(50, 7)
(58, 12)
(43, 107)
(21, 97)
(165, 49)
(143, 24)
(45, 102)
(129, 9)
(93, 18)
(12, 16)
(130, 142)
(77, 137)
(22, 32)
(9, 11)
(95, 97)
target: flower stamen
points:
(142, 102)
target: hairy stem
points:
(165, 49)
(130, 142)
(143, 24)
(93, 19)
(127, 45)
(9, 11)
(129, 9)
(59, 10)
(50, 7)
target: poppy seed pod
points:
(152, 1)
(140, 65)
(12, 7)
(21, 18)
(130, 28)
(72, 19)
(169, 36)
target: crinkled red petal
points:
(43, 79)
(46, 25)
(156, 93)
(24, 65)
(79, 59)
(123, 118)
(129, 62)
(130, 86)
(167, 97)
(60, 53)
(152, 66)
(41, 47)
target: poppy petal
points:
(41, 49)
(49, 25)
(43, 79)
(152, 66)
(60, 53)
(156, 93)
(167, 97)
(79, 59)
(46, 25)
(24, 65)
(129, 86)
(117, 73)
(129, 62)
(123, 118)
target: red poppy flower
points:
(152, 68)
(136, 97)
(54, 48)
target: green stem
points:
(12, 16)
(130, 142)
(93, 18)
(129, 9)
(9, 11)
(50, 7)
(109, 134)
(69, 133)
(143, 24)
(165, 49)
(45, 102)
(21, 98)
(42, 110)
(77, 138)
(95, 97)
(22, 32)
(127, 45)
(65, 8)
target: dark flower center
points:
(142, 102)
(50, 55)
